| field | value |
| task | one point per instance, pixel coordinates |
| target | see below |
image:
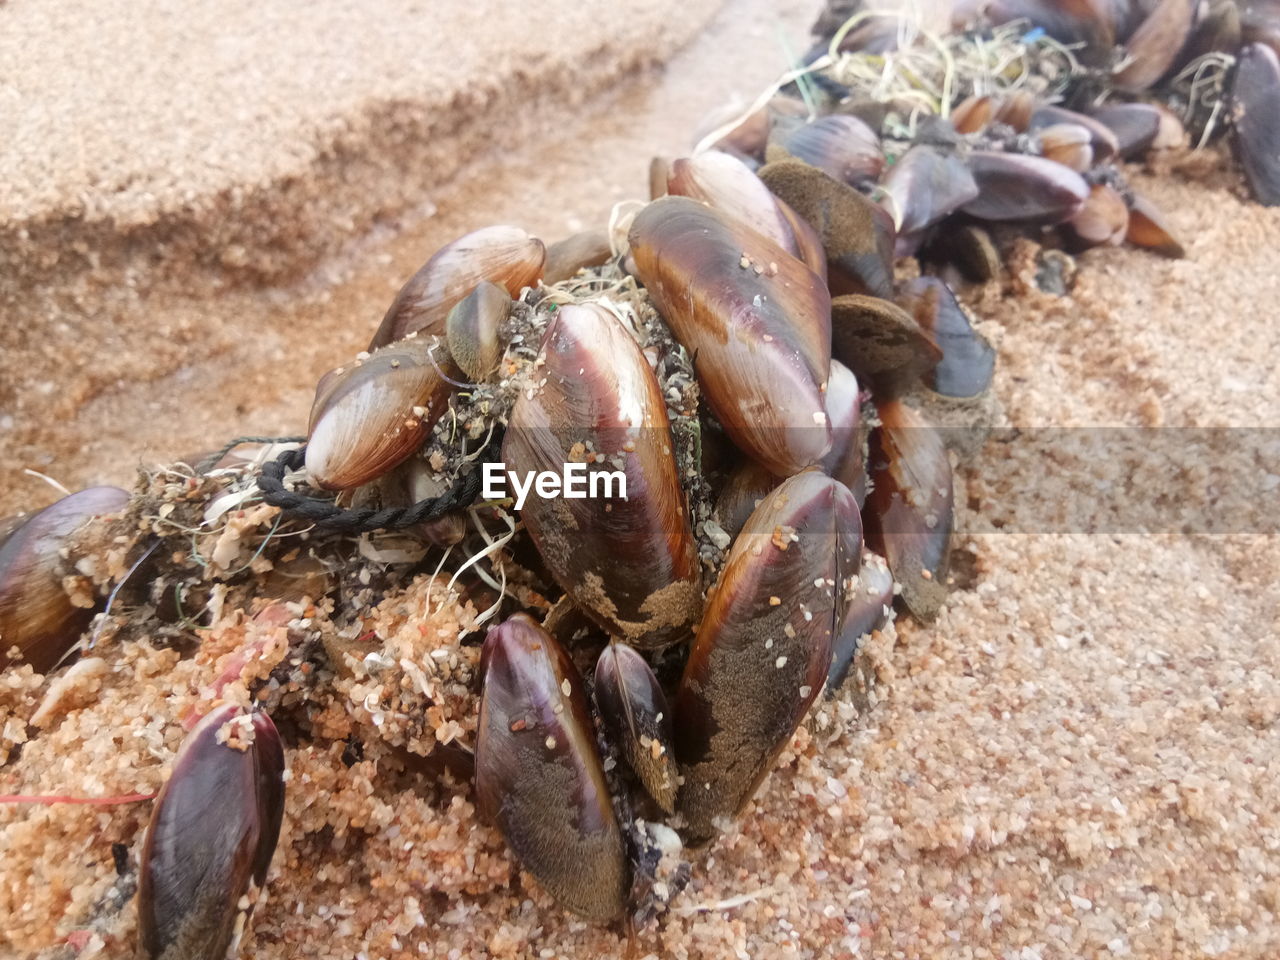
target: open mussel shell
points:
(36, 614)
(1017, 187)
(909, 510)
(501, 254)
(1147, 228)
(371, 414)
(472, 330)
(869, 607)
(1134, 125)
(629, 562)
(636, 717)
(845, 461)
(568, 257)
(968, 360)
(538, 773)
(1102, 141)
(841, 145)
(727, 184)
(213, 831)
(857, 234)
(1154, 46)
(925, 185)
(1255, 107)
(881, 343)
(764, 646)
(1104, 218)
(755, 319)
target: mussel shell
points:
(808, 244)
(1255, 107)
(502, 254)
(925, 185)
(630, 564)
(756, 321)
(1104, 218)
(881, 343)
(1017, 187)
(869, 608)
(1216, 29)
(1101, 139)
(1147, 228)
(764, 646)
(1155, 45)
(743, 489)
(974, 113)
(213, 831)
(636, 717)
(968, 360)
(568, 257)
(372, 414)
(1133, 124)
(968, 248)
(36, 614)
(472, 330)
(857, 234)
(908, 513)
(1260, 22)
(845, 461)
(538, 773)
(841, 145)
(1068, 144)
(727, 184)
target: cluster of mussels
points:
(740, 351)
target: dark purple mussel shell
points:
(631, 564)
(1154, 45)
(909, 510)
(370, 415)
(538, 773)
(473, 327)
(968, 248)
(881, 343)
(1017, 187)
(727, 184)
(1255, 107)
(36, 614)
(504, 255)
(636, 717)
(869, 607)
(1134, 125)
(1147, 228)
(968, 361)
(755, 319)
(1260, 22)
(845, 461)
(857, 234)
(841, 145)
(743, 489)
(213, 830)
(925, 185)
(764, 646)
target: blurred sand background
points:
(1081, 758)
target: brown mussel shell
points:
(631, 564)
(1014, 186)
(570, 256)
(213, 831)
(472, 330)
(1068, 144)
(1104, 218)
(502, 254)
(841, 145)
(636, 717)
(756, 321)
(742, 492)
(36, 614)
(809, 246)
(1101, 139)
(857, 234)
(1255, 107)
(909, 510)
(968, 360)
(764, 646)
(370, 415)
(969, 249)
(1155, 45)
(925, 185)
(869, 608)
(881, 343)
(727, 184)
(1147, 228)
(845, 461)
(538, 773)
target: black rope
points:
(329, 516)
